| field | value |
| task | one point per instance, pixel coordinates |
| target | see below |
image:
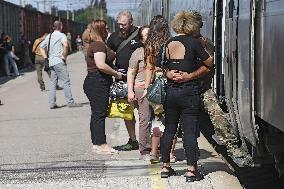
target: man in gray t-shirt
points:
(57, 54)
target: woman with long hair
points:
(158, 34)
(97, 84)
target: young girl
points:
(158, 34)
(136, 84)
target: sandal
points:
(154, 159)
(196, 177)
(173, 159)
(170, 172)
(106, 152)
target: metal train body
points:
(249, 79)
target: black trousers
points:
(182, 105)
(96, 87)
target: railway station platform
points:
(43, 148)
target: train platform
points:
(43, 148)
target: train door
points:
(230, 62)
(218, 39)
(245, 71)
(269, 77)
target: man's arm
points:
(65, 50)
(181, 77)
(43, 46)
(34, 46)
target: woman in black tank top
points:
(183, 94)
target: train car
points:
(17, 21)
(248, 38)
(10, 24)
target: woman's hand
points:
(131, 96)
(181, 77)
(118, 75)
(170, 74)
(144, 93)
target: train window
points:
(231, 8)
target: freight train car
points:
(249, 39)
(17, 21)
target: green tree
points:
(96, 10)
(30, 7)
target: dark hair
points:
(158, 34)
(99, 30)
(140, 32)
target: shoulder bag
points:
(46, 62)
(119, 88)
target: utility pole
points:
(44, 6)
(67, 13)
(73, 15)
(50, 8)
(37, 5)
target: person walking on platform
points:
(54, 49)
(97, 85)
(39, 61)
(124, 42)
(183, 101)
(9, 56)
(135, 84)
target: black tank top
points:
(193, 53)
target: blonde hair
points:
(126, 13)
(184, 22)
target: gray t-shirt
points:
(56, 47)
(137, 62)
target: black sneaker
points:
(54, 107)
(58, 87)
(130, 145)
(42, 88)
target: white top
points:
(56, 47)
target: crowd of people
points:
(26, 57)
(136, 56)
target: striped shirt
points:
(56, 47)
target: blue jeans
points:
(9, 61)
(59, 71)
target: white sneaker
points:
(95, 147)
(145, 157)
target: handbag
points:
(46, 61)
(118, 89)
(156, 93)
(121, 108)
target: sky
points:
(114, 6)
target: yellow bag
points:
(121, 108)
